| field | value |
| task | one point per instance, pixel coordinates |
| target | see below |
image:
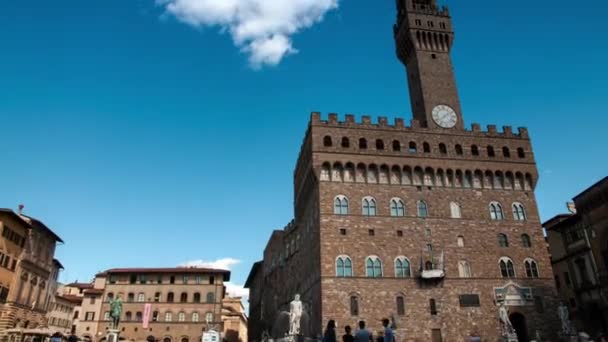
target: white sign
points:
(211, 336)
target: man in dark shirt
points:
(348, 337)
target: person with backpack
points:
(363, 335)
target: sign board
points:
(211, 336)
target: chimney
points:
(21, 206)
(571, 207)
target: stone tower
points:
(424, 37)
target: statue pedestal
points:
(112, 335)
(510, 338)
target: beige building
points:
(235, 320)
(61, 314)
(28, 272)
(579, 254)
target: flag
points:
(147, 310)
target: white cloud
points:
(261, 28)
(235, 290)
(220, 264)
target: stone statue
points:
(507, 326)
(116, 312)
(295, 315)
(564, 316)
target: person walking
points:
(363, 335)
(389, 335)
(330, 332)
(348, 337)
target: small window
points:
(197, 297)
(402, 268)
(503, 241)
(519, 212)
(362, 144)
(506, 268)
(491, 152)
(345, 142)
(128, 316)
(400, 233)
(396, 146)
(157, 297)
(130, 298)
(354, 306)
(379, 145)
(460, 241)
(464, 269)
(344, 267)
(195, 317)
(209, 317)
(443, 149)
(433, 307)
(371, 232)
(531, 268)
(342, 231)
(459, 150)
(141, 297)
(455, 210)
(422, 209)
(426, 147)
(327, 141)
(526, 242)
(183, 298)
(412, 147)
(521, 153)
(475, 150)
(210, 297)
(181, 317)
(168, 317)
(400, 306)
(138, 316)
(170, 297)
(496, 213)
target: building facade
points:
(29, 271)
(234, 319)
(182, 303)
(61, 314)
(431, 224)
(578, 242)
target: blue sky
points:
(144, 141)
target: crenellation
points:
(383, 121)
(366, 120)
(350, 119)
(523, 132)
(315, 117)
(476, 127)
(492, 130)
(332, 118)
(399, 123)
(415, 124)
(507, 131)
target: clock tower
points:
(424, 37)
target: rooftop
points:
(182, 270)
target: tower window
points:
(491, 153)
(433, 56)
(475, 150)
(426, 147)
(442, 25)
(459, 150)
(418, 22)
(345, 142)
(371, 232)
(413, 148)
(443, 149)
(327, 141)
(506, 152)
(379, 145)
(363, 144)
(430, 24)
(396, 146)
(342, 231)
(521, 153)
(354, 306)
(433, 305)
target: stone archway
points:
(521, 328)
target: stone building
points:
(234, 319)
(28, 272)
(579, 253)
(182, 302)
(61, 314)
(81, 327)
(431, 224)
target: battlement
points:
(399, 124)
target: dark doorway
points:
(436, 336)
(519, 323)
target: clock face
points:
(444, 116)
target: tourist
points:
(380, 337)
(389, 336)
(348, 337)
(330, 332)
(363, 335)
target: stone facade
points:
(28, 274)
(234, 319)
(579, 250)
(429, 223)
(61, 314)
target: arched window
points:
(443, 149)
(341, 205)
(327, 141)
(155, 316)
(138, 316)
(345, 142)
(157, 297)
(197, 297)
(402, 268)
(460, 241)
(195, 317)
(325, 172)
(373, 267)
(459, 150)
(412, 147)
(210, 297)
(503, 241)
(141, 297)
(496, 212)
(519, 213)
(363, 144)
(396, 146)
(344, 267)
(464, 269)
(379, 144)
(110, 297)
(526, 241)
(128, 316)
(181, 317)
(475, 150)
(491, 152)
(422, 209)
(183, 298)
(400, 305)
(506, 152)
(185, 339)
(521, 153)
(369, 206)
(506, 268)
(131, 297)
(397, 207)
(209, 317)
(455, 210)
(170, 297)
(354, 306)
(531, 268)
(426, 147)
